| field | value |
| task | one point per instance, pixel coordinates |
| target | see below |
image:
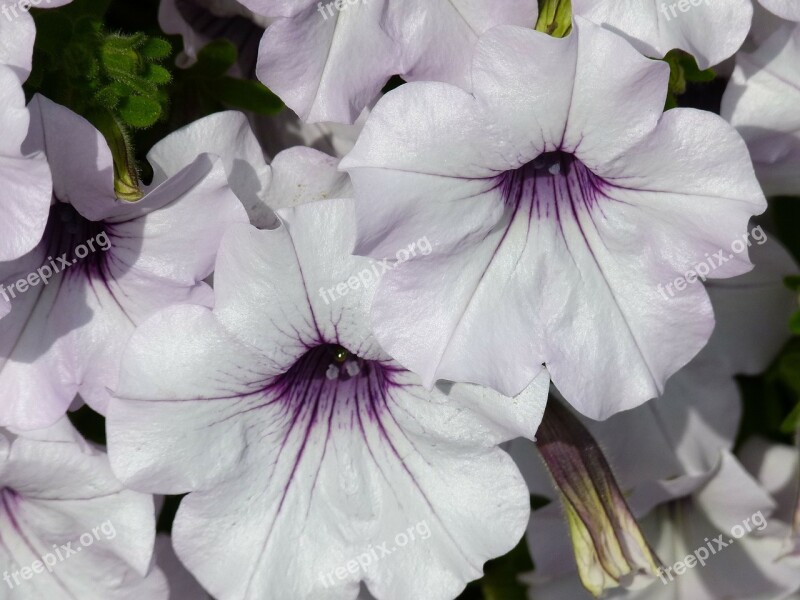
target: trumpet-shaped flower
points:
(672, 445)
(102, 266)
(309, 455)
(69, 527)
(568, 220)
(711, 532)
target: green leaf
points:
(215, 59)
(683, 69)
(139, 112)
(246, 95)
(692, 71)
(789, 371)
(792, 422)
(794, 323)
(502, 574)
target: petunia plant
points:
(399, 299)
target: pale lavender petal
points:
(711, 30)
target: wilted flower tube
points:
(610, 549)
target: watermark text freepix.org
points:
(712, 547)
(713, 261)
(46, 272)
(59, 554)
(374, 554)
(670, 12)
(339, 5)
(366, 277)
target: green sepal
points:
(139, 112)
(555, 17)
(126, 176)
(156, 49)
(683, 69)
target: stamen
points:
(332, 372)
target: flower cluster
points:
(391, 299)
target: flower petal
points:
(711, 30)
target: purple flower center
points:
(328, 378)
(552, 186)
(76, 240)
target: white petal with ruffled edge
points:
(710, 30)
(67, 336)
(281, 446)
(328, 64)
(25, 178)
(692, 517)
(557, 215)
(762, 101)
(59, 492)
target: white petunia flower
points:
(70, 530)
(102, 266)
(672, 445)
(312, 460)
(568, 221)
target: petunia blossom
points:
(678, 437)
(329, 60)
(102, 266)
(710, 30)
(69, 527)
(711, 532)
(303, 446)
(762, 101)
(683, 431)
(561, 217)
